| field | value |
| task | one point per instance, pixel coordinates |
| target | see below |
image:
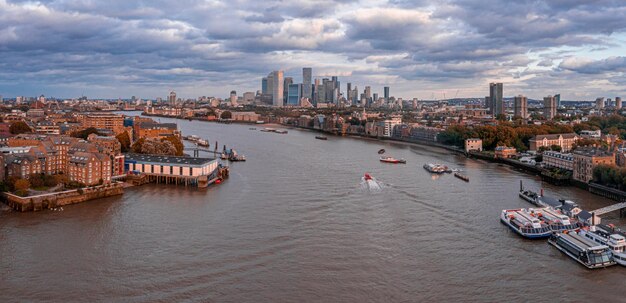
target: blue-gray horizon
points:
(421, 48)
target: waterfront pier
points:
(187, 171)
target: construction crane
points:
(457, 93)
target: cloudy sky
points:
(421, 48)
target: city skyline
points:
(424, 49)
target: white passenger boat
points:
(583, 250)
(525, 223)
(603, 235)
(557, 220)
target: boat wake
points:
(371, 185)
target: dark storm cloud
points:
(121, 43)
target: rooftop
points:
(167, 159)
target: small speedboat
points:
(321, 137)
(392, 160)
(367, 177)
(381, 151)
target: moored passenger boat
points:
(617, 244)
(603, 234)
(321, 137)
(584, 251)
(525, 223)
(557, 220)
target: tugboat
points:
(584, 251)
(321, 137)
(392, 160)
(525, 223)
(462, 177)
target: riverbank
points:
(58, 199)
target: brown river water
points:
(293, 224)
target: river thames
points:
(292, 224)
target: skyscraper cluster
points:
(283, 91)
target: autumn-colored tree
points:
(83, 134)
(124, 139)
(226, 115)
(21, 186)
(19, 127)
(178, 144)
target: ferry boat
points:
(584, 251)
(280, 131)
(435, 168)
(602, 235)
(202, 142)
(556, 220)
(321, 137)
(392, 160)
(268, 130)
(525, 223)
(617, 244)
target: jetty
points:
(611, 208)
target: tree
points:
(178, 144)
(555, 148)
(226, 115)
(19, 127)
(124, 139)
(21, 186)
(83, 134)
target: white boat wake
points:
(371, 185)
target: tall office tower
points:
(270, 84)
(497, 102)
(549, 107)
(558, 100)
(294, 94)
(336, 95)
(307, 75)
(600, 103)
(368, 93)
(288, 81)
(521, 106)
(618, 102)
(171, 100)
(233, 98)
(277, 88)
(488, 103)
(264, 89)
(375, 97)
(349, 89)
(386, 93)
(327, 90)
(316, 92)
